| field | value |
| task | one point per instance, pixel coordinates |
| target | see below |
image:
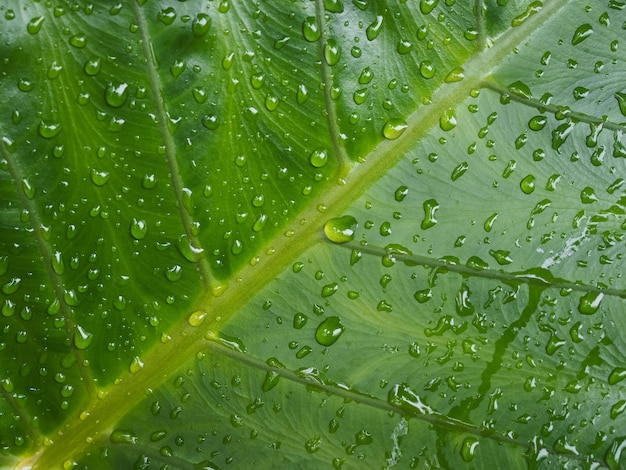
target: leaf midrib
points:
(305, 229)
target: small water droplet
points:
(617, 375)
(588, 195)
(167, 15)
(459, 171)
(468, 448)
(28, 188)
(92, 66)
(527, 185)
(341, 229)
(447, 121)
(197, 318)
(115, 94)
(373, 30)
(310, 29)
(590, 303)
(621, 101)
(138, 228)
(210, 121)
(49, 129)
(78, 40)
(135, 365)
(394, 128)
(427, 69)
(148, 181)
(318, 158)
(82, 338)
(201, 24)
(174, 273)
(122, 436)
(34, 25)
(401, 193)
(329, 331)
(99, 178)
(426, 6)
(332, 51)
(455, 75)
(581, 33)
(430, 208)
(330, 289)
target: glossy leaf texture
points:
(312, 234)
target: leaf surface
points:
(312, 234)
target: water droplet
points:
(330, 289)
(99, 178)
(34, 25)
(531, 9)
(54, 70)
(468, 448)
(197, 318)
(394, 128)
(426, 6)
(28, 188)
(430, 208)
(236, 247)
(527, 185)
(373, 30)
(310, 29)
(588, 195)
(49, 129)
(447, 121)
(271, 102)
(82, 338)
(341, 229)
(135, 365)
(11, 286)
(25, 85)
(332, 51)
(621, 101)
(177, 68)
(201, 24)
(455, 75)
(488, 225)
(210, 121)
(174, 273)
(271, 380)
(57, 263)
(329, 331)
(537, 123)
(581, 33)
(401, 193)
(520, 89)
(617, 375)
(138, 228)
(167, 15)
(318, 158)
(459, 171)
(148, 181)
(122, 436)
(78, 40)
(115, 94)
(334, 6)
(314, 444)
(590, 302)
(92, 66)
(427, 69)
(404, 46)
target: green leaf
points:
(312, 234)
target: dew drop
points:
(447, 121)
(621, 101)
(617, 375)
(537, 123)
(332, 51)
(135, 365)
(25, 84)
(455, 75)
(590, 302)
(318, 158)
(468, 448)
(459, 171)
(92, 66)
(210, 121)
(115, 94)
(201, 25)
(394, 128)
(329, 331)
(167, 15)
(582, 33)
(341, 229)
(35, 24)
(11, 286)
(259, 223)
(302, 94)
(197, 318)
(430, 208)
(78, 40)
(138, 228)
(148, 181)
(49, 129)
(401, 193)
(122, 436)
(373, 30)
(99, 178)
(426, 6)
(82, 338)
(174, 273)
(330, 289)
(310, 29)
(427, 70)
(28, 188)
(527, 185)
(57, 263)
(588, 195)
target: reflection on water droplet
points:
(341, 229)
(427, 69)
(138, 228)
(329, 331)
(92, 66)
(590, 302)
(135, 365)
(426, 6)
(99, 178)
(447, 121)
(332, 51)
(82, 338)
(394, 128)
(318, 158)
(527, 185)
(197, 318)
(581, 33)
(49, 129)
(468, 448)
(455, 75)
(430, 207)
(115, 94)
(78, 40)
(310, 29)
(201, 24)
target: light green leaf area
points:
(312, 234)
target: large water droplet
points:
(318, 158)
(138, 228)
(49, 129)
(115, 94)
(310, 29)
(590, 302)
(329, 331)
(341, 229)
(99, 178)
(34, 25)
(582, 33)
(468, 448)
(332, 51)
(201, 24)
(430, 208)
(82, 338)
(447, 121)
(394, 128)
